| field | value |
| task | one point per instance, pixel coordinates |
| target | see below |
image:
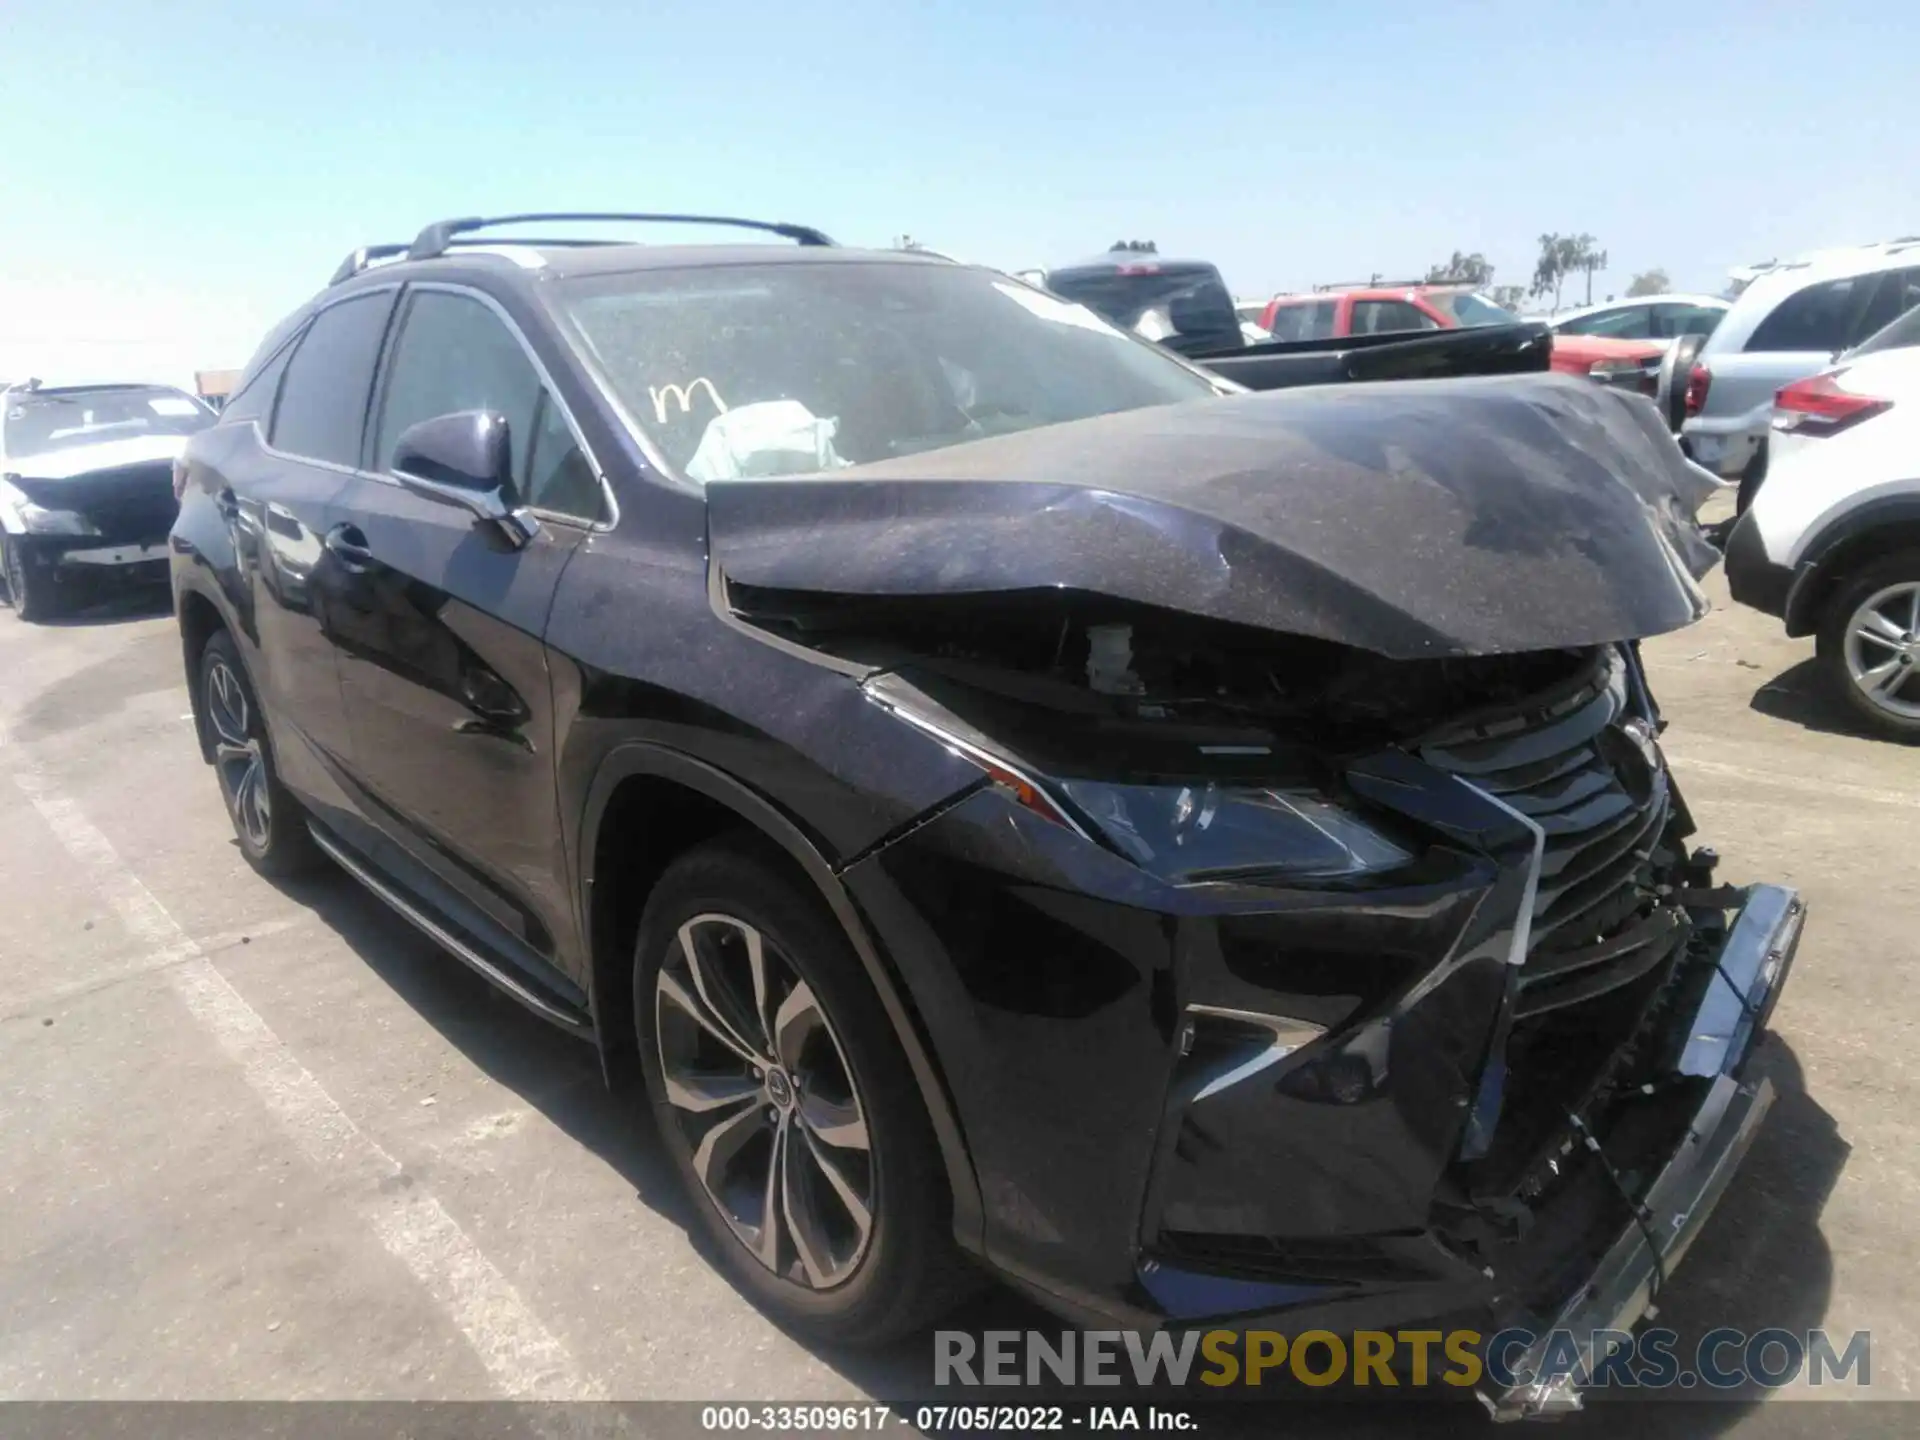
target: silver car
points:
(1789, 322)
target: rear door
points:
(308, 412)
(442, 662)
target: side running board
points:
(565, 1016)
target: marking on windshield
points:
(660, 395)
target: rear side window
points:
(1631, 323)
(1813, 318)
(323, 394)
(1894, 296)
(1677, 320)
(254, 399)
(1377, 317)
(1903, 333)
(1290, 322)
(1319, 322)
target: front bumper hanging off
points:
(1752, 966)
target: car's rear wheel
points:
(786, 1101)
(268, 822)
(29, 589)
(1869, 645)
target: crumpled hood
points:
(73, 460)
(1412, 518)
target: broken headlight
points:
(38, 520)
(1209, 831)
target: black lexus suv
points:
(1014, 799)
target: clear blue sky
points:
(182, 174)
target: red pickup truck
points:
(1331, 314)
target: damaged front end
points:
(1290, 981)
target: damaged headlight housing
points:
(1208, 831)
(39, 520)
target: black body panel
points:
(1453, 518)
(508, 731)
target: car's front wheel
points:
(786, 1101)
(267, 821)
(28, 588)
(1869, 645)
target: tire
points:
(1853, 645)
(834, 1077)
(268, 823)
(33, 595)
(1670, 389)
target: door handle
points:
(347, 545)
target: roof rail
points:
(439, 236)
(1377, 283)
(360, 259)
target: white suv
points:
(1831, 543)
(1789, 323)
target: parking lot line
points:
(1825, 789)
(521, 1355)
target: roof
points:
(567, 261)
(1665, 298)
(1361, 292)
(1143, 262)
(21, 389)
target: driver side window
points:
(452, 354)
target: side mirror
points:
(465, 459)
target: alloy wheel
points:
(1883, 649)
(760, 1089)
(238, 755)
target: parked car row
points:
(1016, 802)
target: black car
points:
(86, 487)
(1204, 856)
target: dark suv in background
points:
(1205, 855)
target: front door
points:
(442, 664)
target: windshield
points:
(798, 367)
(46, 420)
(1467, 308)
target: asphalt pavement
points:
(267, 1143)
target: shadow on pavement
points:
(110, 606)
(549, 1069)
(1800, 694)
(1762, 1262)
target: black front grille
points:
(1582, 766)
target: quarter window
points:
(1377, 317)
(454, 354)
(323, 396)
(1814, 318)
(254, 399)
